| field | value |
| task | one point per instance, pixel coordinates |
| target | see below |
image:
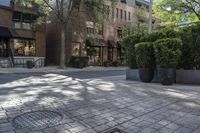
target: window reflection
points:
(24, 47)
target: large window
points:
(24, 47)
(117, 12)
(26, 26)
(121, 13)
(17, 25)
(125, 15)
(129, 16)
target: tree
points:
(177, 10)
(63, 9)
(142, 19)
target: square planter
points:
(188, 76)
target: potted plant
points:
(29, 64)
(145, 61)
(115, 63)
(79, 61)
(167, 53)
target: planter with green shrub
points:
(115, 63)
(105, 63)
(79, 61)
(167, 54)
(130, 42)
(145, 60)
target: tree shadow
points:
(97, 104)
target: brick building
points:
(108, 35)
(21, 39)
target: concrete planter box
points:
(188, 76)
(182, 76)
(132, 74)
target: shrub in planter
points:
(115, 63)
(29, 64)
(130, 42)
(167, 53)
(145, 60)
(105, 63)
(79, 61)
(190, 58)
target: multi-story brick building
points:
(108, 36)
(20, 37)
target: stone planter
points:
(132, 74)
(167, 76)
(146, 74)
(188, 76)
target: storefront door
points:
(4, 48)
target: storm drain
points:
(37, 120)
(114, 130)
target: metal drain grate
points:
(37, 119)
(114, 130)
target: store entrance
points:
(4, 48)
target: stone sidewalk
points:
(54, 103)
(55, 69)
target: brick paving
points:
(96, 105)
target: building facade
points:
(21, 39)
(102, 43)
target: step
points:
(5, 63)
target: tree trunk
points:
(62, 48)
(150, 17)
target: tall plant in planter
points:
(167, 53)
(130, 42)
(145, 60)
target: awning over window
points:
(102, 42)
(76, 39)
(120, 44)
(6, 32)
(111, 43)
(97, 43)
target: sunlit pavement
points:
(94, 105)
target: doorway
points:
(4, 48)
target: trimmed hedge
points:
(190, 36)
(167, 52)
(144, 55)
(130, 42)
(190, 58)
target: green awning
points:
(6, 32)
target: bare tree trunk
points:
(62, 48)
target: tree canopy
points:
(177, 10)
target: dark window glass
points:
(117, 12)
(121, 14)
(119, 33)
(129, 16)
(125, 15)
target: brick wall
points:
(39, 35)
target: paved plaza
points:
(63, 103)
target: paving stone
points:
(157, 110)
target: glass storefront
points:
(24, 47)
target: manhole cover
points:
(114, 130)
(37, 119)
